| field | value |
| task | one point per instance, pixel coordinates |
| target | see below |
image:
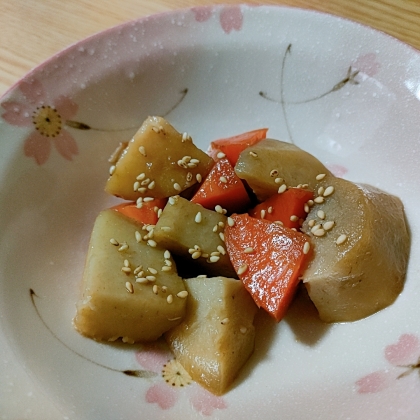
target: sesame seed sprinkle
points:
(321, 214)
(166, 228)
(222, 236)
(242, 269)
(152, 270)
(141, 280)
(249, 250)
(123, 247)
(231, 222)
(182, 294)
(142, 150)
(278, 180)
(126, 270)
(129, 287)
(328, 225)
(177, 187)
(112, 169)
(167, 254)
(262, 214)
(198, 217)
(151, 185)
(150, 278)
(151, 243)
(126, 263)
(321, 190)
(294, 218)
(224, 321)
(218, 209)
(311, 223)
(319, 177)
(220, 155)
(253, 154)
(223, 180)
(166, 268)
(221, 249)
(306, 247)
(270, 210)
(319, 232)
(315, 228)
(155, 289)
(137, 234)
(141, 176)
(282, 188)
(169, 299)
(196, 255)
(199, 178)
(328, 191)
(319, 200)
(274, 172)
(341, 239)
(114, 242)
(214, 258)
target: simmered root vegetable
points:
(271, 166)
(158, 162)
(349, 244)
(196, 234)
(125, 293)
(216, 337)
(361, 246)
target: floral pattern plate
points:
(344, 92)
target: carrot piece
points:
(222, 187)
(287, 207)
(268, 258)
(232, 147)
(146, 215)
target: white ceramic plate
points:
(344, 92)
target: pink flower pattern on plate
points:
(231, 17)
(156, 357)
(46, 116)
(405, 353)
(367, 64)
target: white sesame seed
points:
(221, 224)
(341, 239)
(136, 186)
(199, 178)
(167, 254)
(112, 169)
(224, 321)
(137, 270)
(142, 150)
(220, 155)
(195, 255)
(319, 177)
(230, 221)
(311, 223)
(270, 210)
(222, 236)
(177, 187)
(214, 258)
(170, 299)
(274, 172)
(310, 203)
(223, 179)
(152, 270)
(151, 185)
(215, 253)
(319, 232)
(189, 176)
(141, 176)
(137, 234)
(249, 250)
(315, 228)
(242, 269)
(221, 249)
(185, 137)
(147, 199)
(164, 289)
(166, 268)
(321, 214)
(306, 247)
(319, 200)
(114, 242)
(141, 280)
(168, 263)
(253, 154)
(151, 278)
(282, 188)
(166, 228)
(278, 180)
(198, 217)
(306, 208)
(321, 190)
(328, 225)
(195, 161)
(126, 270)
(126, 263)
(218, 209)
(151, 243)
(294, 218)
(129, 287)
(328, 191)
(182, 294)
(155, 289)
(262, 214)
(123, 247)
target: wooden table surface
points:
(33, 30)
